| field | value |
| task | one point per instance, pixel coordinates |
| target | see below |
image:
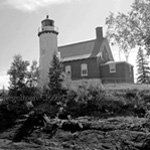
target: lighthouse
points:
(47, 46)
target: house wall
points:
(129, 73)
(122, 74)
(93, 68)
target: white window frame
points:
(84, 67)
(68, 70)
(112, 68)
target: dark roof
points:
(81, 50)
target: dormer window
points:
(84, 70)
(68, 70)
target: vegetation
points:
(142, 68)
(55, 92)
(18, 74)
(97, 102)
(23, 87)
(22, 80)
(32, 79)
(55, 76)
(132, 29)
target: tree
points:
(22, 80)
(32, 79)
(18, 73)
(143, 70)
(55, 76)
(132, 29)
(32, 75)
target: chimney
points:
(99, 32)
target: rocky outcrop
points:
(83, 133)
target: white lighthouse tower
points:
(48, 46)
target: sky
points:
(76, 20)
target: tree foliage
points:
(143, 70)
(18, 74)
(22, 80)
(132, 29)
(55, 76)
(32, 75)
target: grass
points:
(126, 86)
(113, 86)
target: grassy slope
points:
(113, 86)
(125, 86)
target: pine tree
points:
(143, 70)
(55, 76)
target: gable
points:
(97, 46)
(109, 51)
(105, 53)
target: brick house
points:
(93, 59)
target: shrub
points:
(55, 76)
(94, 101)
(7, 117)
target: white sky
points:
(76, 20)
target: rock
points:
(72, 126)
(106, 134)
(35, 119)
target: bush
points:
(94, 101)
(7, 117)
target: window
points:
(84, 70)
(112, 68)
(68, 70)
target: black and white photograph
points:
(74, 75)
